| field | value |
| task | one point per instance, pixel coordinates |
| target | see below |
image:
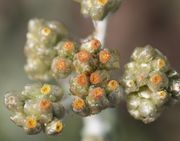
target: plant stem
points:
(96, 125)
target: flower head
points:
(45, 104)
(156, 79)
(95, 78)
(82, 80)
(45, 89)
(78, 104)
(68, 46)
(83, 56)
(97, 93)
(161, 63)
(104, 56)
(31, 123)
(59, 126)
(95, 44)
(113, 85)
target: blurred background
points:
(136, 23)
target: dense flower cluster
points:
(42, 37)
(92, 85)
(37, 108)
(98, 9)
(150, 84)
(59, 57)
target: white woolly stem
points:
(96, 125)
(100, 30)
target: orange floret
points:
(45, 104)
(104, 56)
(95, 44)
(113, 85)
(95, 78)
(81, 80)
(78, 104)
(31, 123)
(97, 93)
(60, 65)
(59, 126)
(156, 79)
(83, 56)
(68, 46)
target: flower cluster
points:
(37, 108)
(98, 9)
(42, 37)
(150, 84)
(92, 85)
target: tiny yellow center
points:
(31, 123)
(104, 56)
(156, 79)
(46, 31)
(83, 56)
(59, 126)
(45, 89)
(102, 2)
(113, 85)
(78, 104)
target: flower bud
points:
(79, 85)
(109, 59)
(54, 128)
(61, 67)
(66, 49)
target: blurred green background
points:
(136, 23)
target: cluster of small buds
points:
(92, 86)
(42, 37)
(98, 9)
(149, 84)
(37, 108)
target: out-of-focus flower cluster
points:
(92, 85)
(150, 84)
(37, 108)
(98, 9)
(42, 37)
